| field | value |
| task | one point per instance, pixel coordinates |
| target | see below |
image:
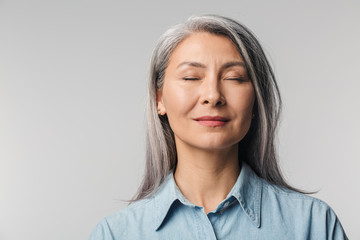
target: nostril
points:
(217, 103)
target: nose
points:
(211, 93)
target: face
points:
(207, 94)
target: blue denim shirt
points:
(254, 209)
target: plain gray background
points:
(73, 77)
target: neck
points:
(206, 177)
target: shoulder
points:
(299, 210)
(133, 212)
(289, 197)
(293, 201)
(118, 224)
(284, 194)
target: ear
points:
(160, 103)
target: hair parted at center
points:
(257, 148)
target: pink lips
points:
(212, 121)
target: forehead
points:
(204, 46)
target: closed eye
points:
(238, 79)
(190, 78)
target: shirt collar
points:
(247, 191)
(164, 199)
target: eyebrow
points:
(232, 64)
(200, 65)
(192, 64)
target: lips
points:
(212, 121)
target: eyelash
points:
(234, 79)
(237, 79)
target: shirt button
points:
(226, 204)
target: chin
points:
(216, 145)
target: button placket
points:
(205, 227)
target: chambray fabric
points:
(254, 209)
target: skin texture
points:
(206, 76)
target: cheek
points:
(177, 101)
(244, 111)
(243, 102)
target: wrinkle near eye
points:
(190, 74)
(235, 74)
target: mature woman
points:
(211, 167)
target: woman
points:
(211, 170)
